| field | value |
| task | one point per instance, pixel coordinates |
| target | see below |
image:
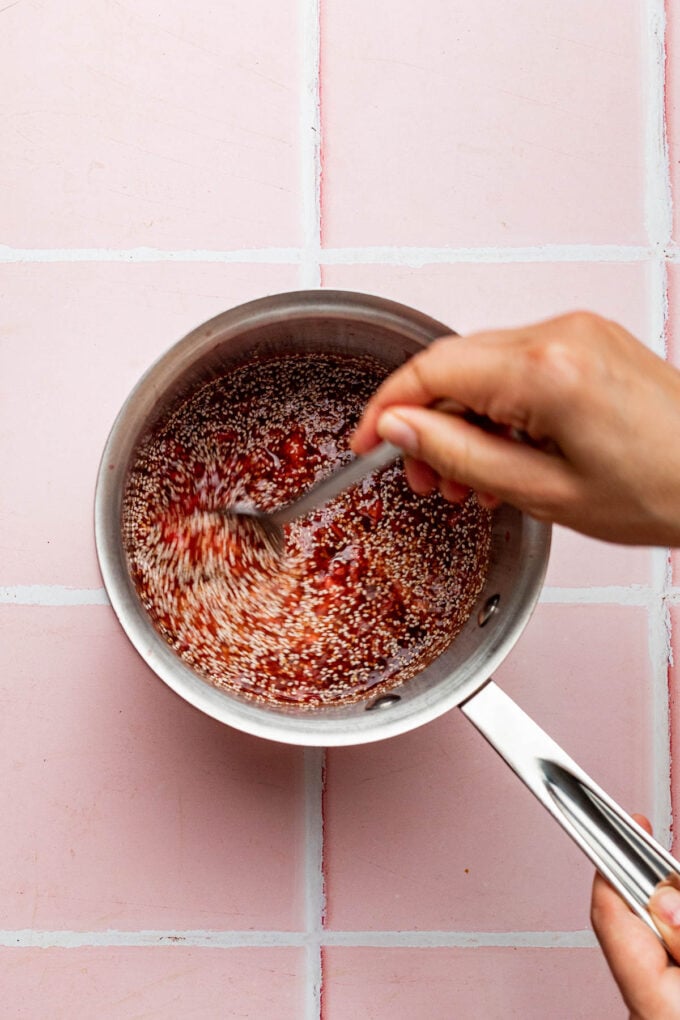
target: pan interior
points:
(519, 546)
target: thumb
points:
(462, 451)
(664, 906)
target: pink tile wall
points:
(82, 345)
(120, 983)
(148, 124)
(159, 164)
(465, 125)
(491, 983)
(128, 809)
(431, 831)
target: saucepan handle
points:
(619, 848)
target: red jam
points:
(371, 588)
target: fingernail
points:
(396, 430)
(666, 905)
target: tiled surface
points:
(674, 681)
(144, 843)
(495, 984)
(120, 983)
(432, 831)
(462, 127)
(91, 322)
(129, 809)
(145, 124)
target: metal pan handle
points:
(632, 861)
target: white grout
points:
(36, 939)
(284, 256)
(530, 253)
(310, 143)
(310, 278)
(658, 222)
(315, 901)
(658, 200)
(311, 256)
(52, 595)
(659, 643)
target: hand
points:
(648, 981)
(602, 410)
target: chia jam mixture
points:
(371, 588)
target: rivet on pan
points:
(386, 701)
(488, 609)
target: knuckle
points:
(418, 368)
(424, 369)
(582, 321)
(557, 360)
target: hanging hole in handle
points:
(386, 701)
(488, 610)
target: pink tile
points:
(493, 984)
(432, 831)
(471, 297)
(144, 125)
(465, 127)
(128, 809)
(580, 562)
(76, 338)
(120, 983)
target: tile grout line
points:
(27, 938)
(52, 595)
(315, 903)
(493, 254)
(283, 256)
(311, 256)
(658, 221)
(310, 278)
(659, 642)
(310, 143)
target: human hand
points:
(648, 981)
(602, 410)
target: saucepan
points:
(326, 320)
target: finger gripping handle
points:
(632, 860)
(628, 856)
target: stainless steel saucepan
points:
(359, 324)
